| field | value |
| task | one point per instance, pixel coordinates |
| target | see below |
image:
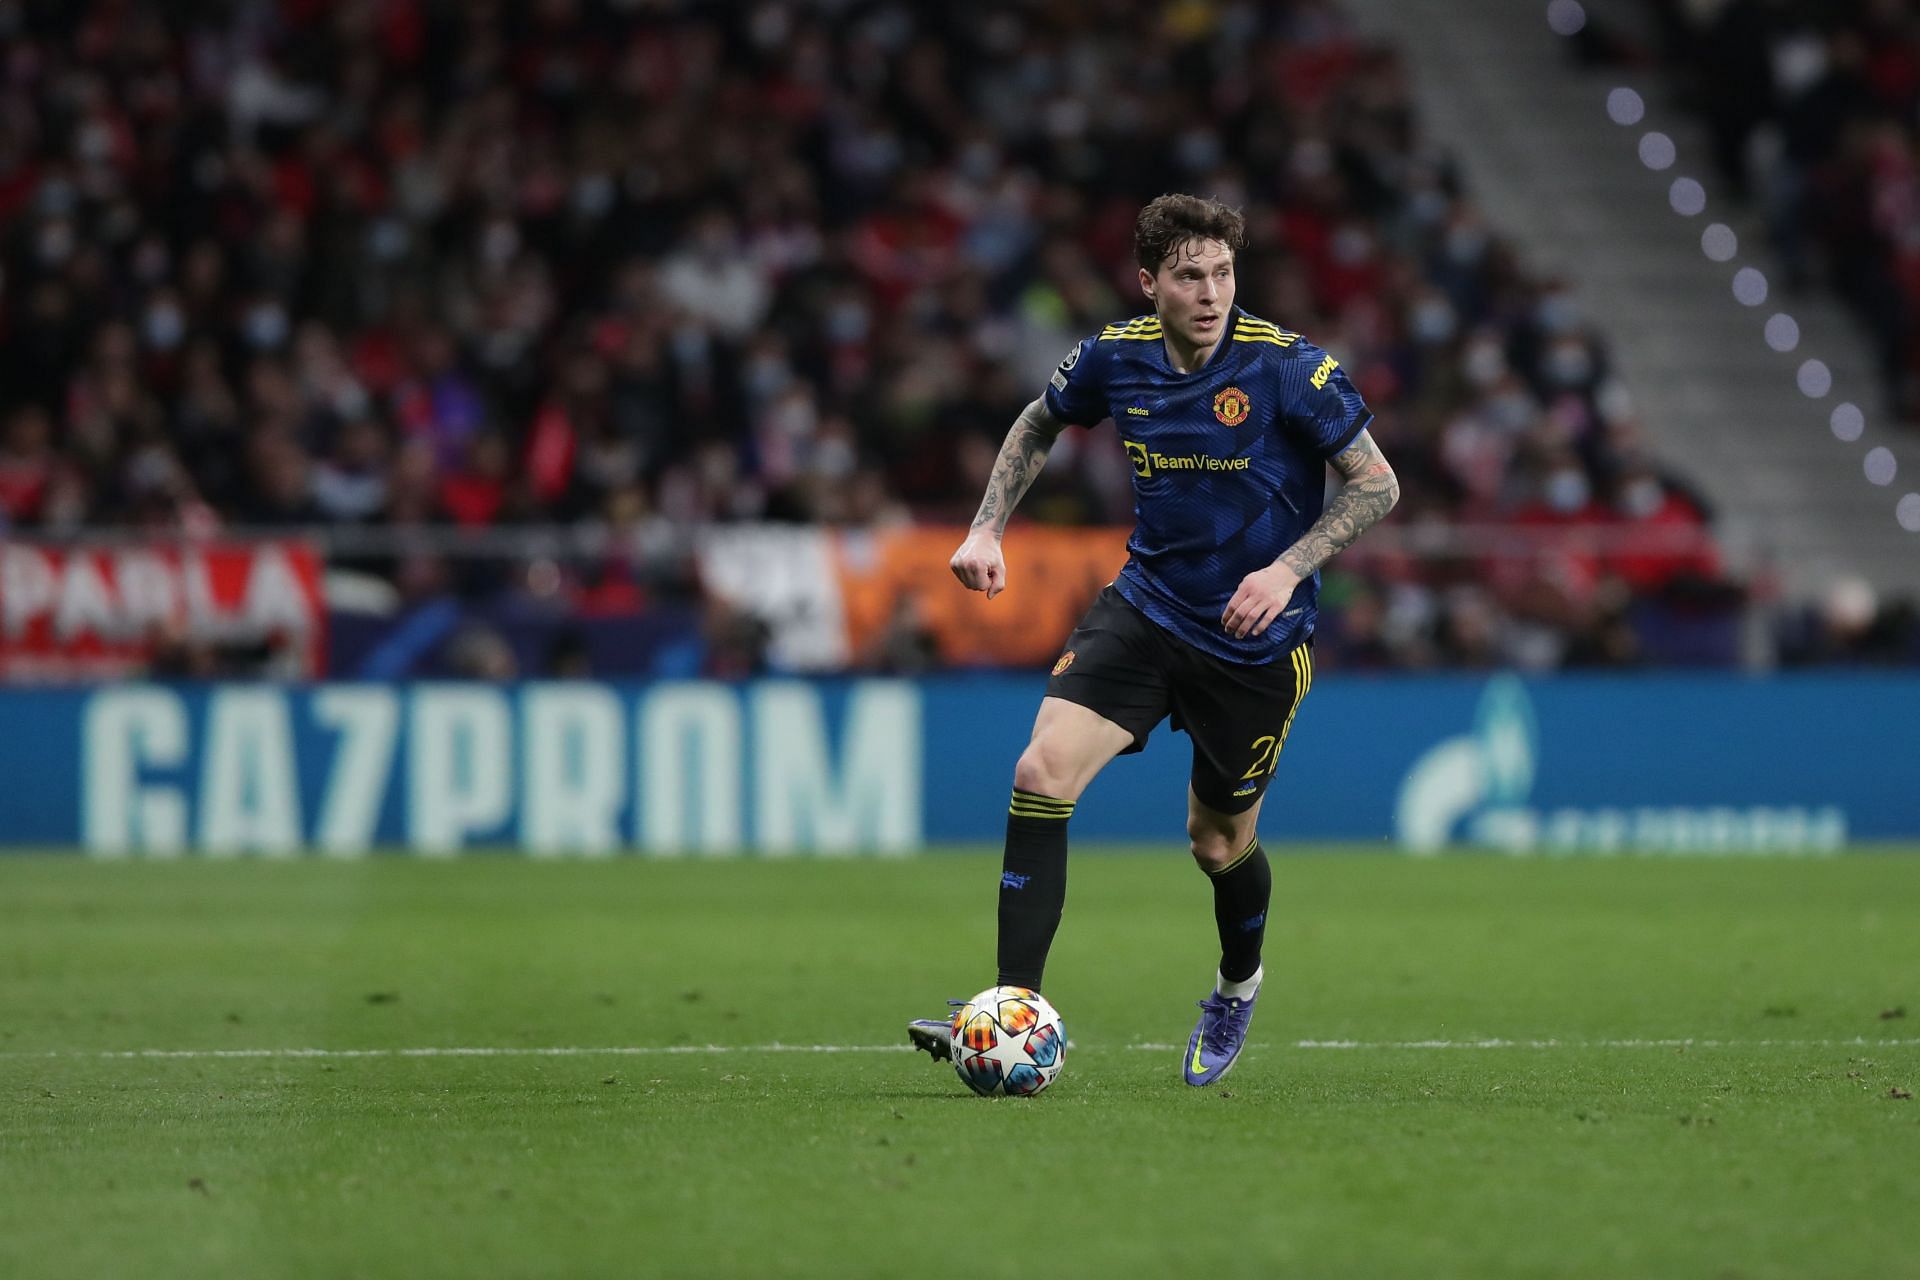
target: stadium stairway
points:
(1502, 92)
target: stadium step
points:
(1554, 173)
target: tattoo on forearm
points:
(1021, 457)
(1370, 491)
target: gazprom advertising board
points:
(1598, 765)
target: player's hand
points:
(979, 565)
(1262, 595)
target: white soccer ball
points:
(1008, 1040)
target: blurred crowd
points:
(637, 265)
(1814, 111)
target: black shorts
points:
(1123, 666)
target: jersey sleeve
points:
(1327, 410)
(1077, 391)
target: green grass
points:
(1778, 1152)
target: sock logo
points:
(1253, 922)
(1014, 880)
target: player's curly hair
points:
(1172, 222)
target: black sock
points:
(1240, 893)
(1033, 885)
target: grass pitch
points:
(1586, 1142)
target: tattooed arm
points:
(1369, 493)
(978, 563)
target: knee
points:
(1044, 770)
(1213, 846)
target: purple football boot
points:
(1217, 1038)
(935, 1035)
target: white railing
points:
(664, 541)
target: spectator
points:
(662, 264)
(1813, 109)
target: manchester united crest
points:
(1066, 660)
(1232, 406)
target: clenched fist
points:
(979, 565)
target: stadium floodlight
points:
(1815, 379)
(1624, 106)
(1880, 465)
(1687, 197)
(1848, 422)
(1750, 286)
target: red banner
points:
(108, 611)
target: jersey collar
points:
(1214, 357)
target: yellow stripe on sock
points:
(1026, 804)
(1244, 855)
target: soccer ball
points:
(1008, 1040)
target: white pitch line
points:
(1689, 1042)
(686, 1050)
(479, 1051)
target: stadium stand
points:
(1811, 109)
(638, 268)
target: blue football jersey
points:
(1229, 466)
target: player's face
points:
(1193, 292)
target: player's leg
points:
(1239, 719)
(1227, 847)
(1107, 692)
(1070, 744)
